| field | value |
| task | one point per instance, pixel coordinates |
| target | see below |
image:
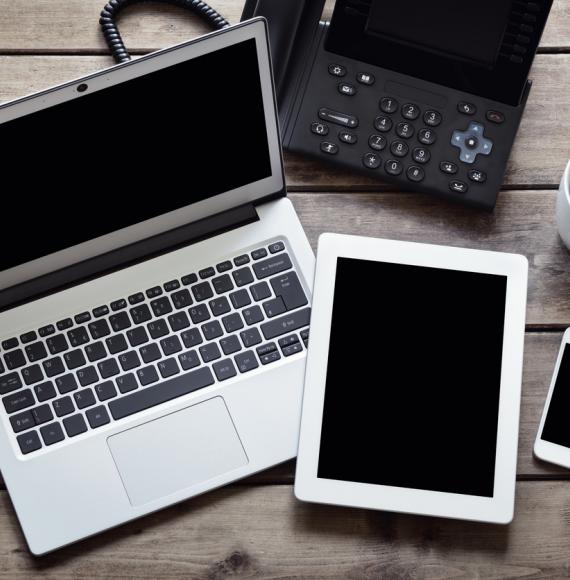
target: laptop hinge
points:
(128, 255)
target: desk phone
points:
(425, 95)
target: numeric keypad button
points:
(415, 173)
(388, 105)
(426, 136)
(377, 142)
(399, 148)
(383, 124)
(393, 167)
(432, 118)
(372, 160)
(410, 111)
(405, 130)
(421, 155)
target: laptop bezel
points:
(264, 189)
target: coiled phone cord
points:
(113, 36)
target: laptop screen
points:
(133, 151)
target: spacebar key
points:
(287, 323)
(161, 392)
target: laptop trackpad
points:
(176, 451)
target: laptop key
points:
(22, 421)
(269, 358)
(64, 324)
(260, 291)
(274, 307)
(97, 417)
(127, 383)
(189, 279)
(250, 337)
(29, 442)
(288, 340)
(18, 401)
(63, 406)
(232, 322)
(206, 272)
(266, 349)
(116, 343)
(150, 352)
(135, 298)
(52, 433)
(66, 384)
(168, 367)
(224, 266)
(276, 247)
(181, 299)
(84, 398)
(243, 276)
(36, 351)
(45, 391)
(14, 359)
(252, 315)
(224, 369)
(74, 359)
(222, 284)
(105, 391)
(108, 368)
(10, 343)
(100, 311)
(77, 336)
(158, 328)
(286, 324)
(9, 383)
(99, 329)
(210, 352)
(171, 285)
(147, 375)
(32, 374)
(199, 313)
(161, 306)
(220, 306)
(118, 305)
(240, 298)
(191, 337)
(74, 425)
(188, 360)
(129, 360)
(87, 376)
(230, 344)
(202, 291)
(170, 345)
(258, 254)
(273, 265)
(154, 292)
(288, 287)
(137, 336)
(246, 361)
(42, 414)
(82, 318)
(140, 314)
(95, 351)
(241, 260)
(57, 343)
(160, 393)
(212, 330)
(120, 321)
(46, 330)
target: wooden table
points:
(256, 527)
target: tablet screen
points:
(413, 377)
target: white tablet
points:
(413, 381)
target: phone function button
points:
(365, 78)
(432, 118)
(330, 148)
(477, 176)
(372, 160)
(495, 117)
(458, 186)
(426, 136)
(377, 142)
(320, 129)
(466, 108)
(347, 137)
(346, 89)
(388, 105)
(415, 173)
(337, 70)
(338, 118)
(383, 123)
(421, 155)
(471, 143)
(393, 167)
(410, 111)
(448, 167)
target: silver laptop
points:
(155, 286)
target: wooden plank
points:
(264, 532)
(538, 159)
(72, 25)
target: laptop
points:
(155, 286)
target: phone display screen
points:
(556, 425)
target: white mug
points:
(563, 207)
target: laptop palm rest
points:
(177, 451)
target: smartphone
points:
(553, 439)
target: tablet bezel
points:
(308, 487)
(546, 450)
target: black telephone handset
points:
(428, 96)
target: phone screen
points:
(556, 426)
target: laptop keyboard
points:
(81, 373)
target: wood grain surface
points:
(255, 527)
